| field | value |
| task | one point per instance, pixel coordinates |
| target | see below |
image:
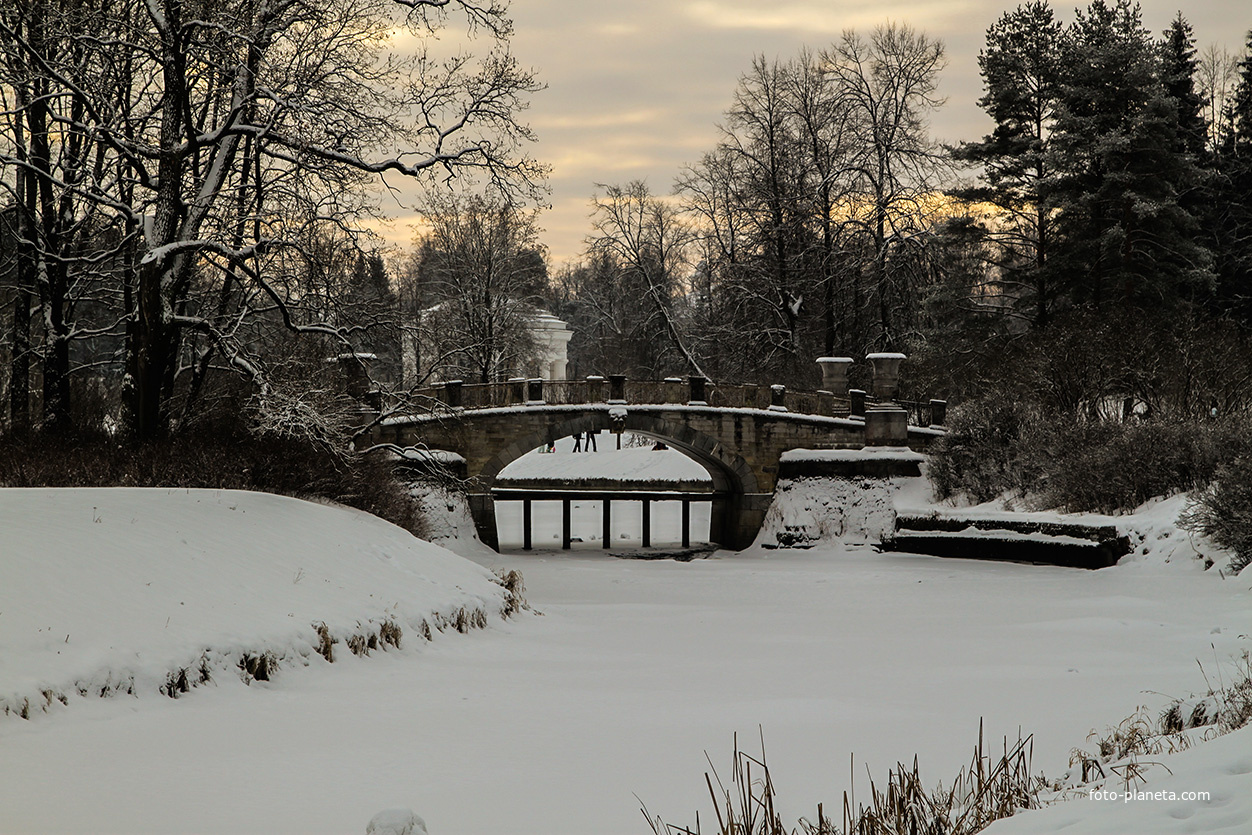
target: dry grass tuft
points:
(514, 592)
(326, 642)
(982, 793)
(390, 633)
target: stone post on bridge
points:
(673, 389)
(938, 413)
(452, 393)
(856, 403)
(697, 391)
(515, 393)
(778, 398)
(595, 389)
(617, 388)
(534, 392)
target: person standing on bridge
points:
(578, 442)
(591, 441)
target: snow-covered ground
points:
(121, 589)
(554, 723)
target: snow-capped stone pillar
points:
(452, 393)
(516, 391)
(886, 426)
(355, 368)
(617, 388)
(938, 413)
(835, 374)
(534, 391)
(777, 398)
(673, 389)
(696, 391)
(595, 389)
(856, 403)
(886, 374)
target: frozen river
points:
(553, 724)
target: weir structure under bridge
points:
(738, 433)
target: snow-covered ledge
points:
(874, 462)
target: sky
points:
(636, 88)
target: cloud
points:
(615, 119)
(806, 17)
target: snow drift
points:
(137, 591)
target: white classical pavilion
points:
(550, 362)
(552, 338)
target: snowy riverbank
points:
(147, 591)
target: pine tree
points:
(1021, 72)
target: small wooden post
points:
(686, 523)
(647, 523)
(607, 526)
(526, 524)
(565, 524)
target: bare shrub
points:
(224, 457)
(1222, 511)
(995, 448)
(981, 456)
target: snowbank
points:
(140, 591)
(1204, 789)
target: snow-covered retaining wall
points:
(144, 591)
(837, 495)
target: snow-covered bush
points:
(999, 447)
(1222, 511)
(1109, 467)
(984, 454)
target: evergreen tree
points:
(1021, 71)
(1120, 176)
(1234, 197)
(1178, 73)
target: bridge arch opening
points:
(732, 479)
(602, 491)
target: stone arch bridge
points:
(737, 433)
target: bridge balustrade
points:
(582, 392)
